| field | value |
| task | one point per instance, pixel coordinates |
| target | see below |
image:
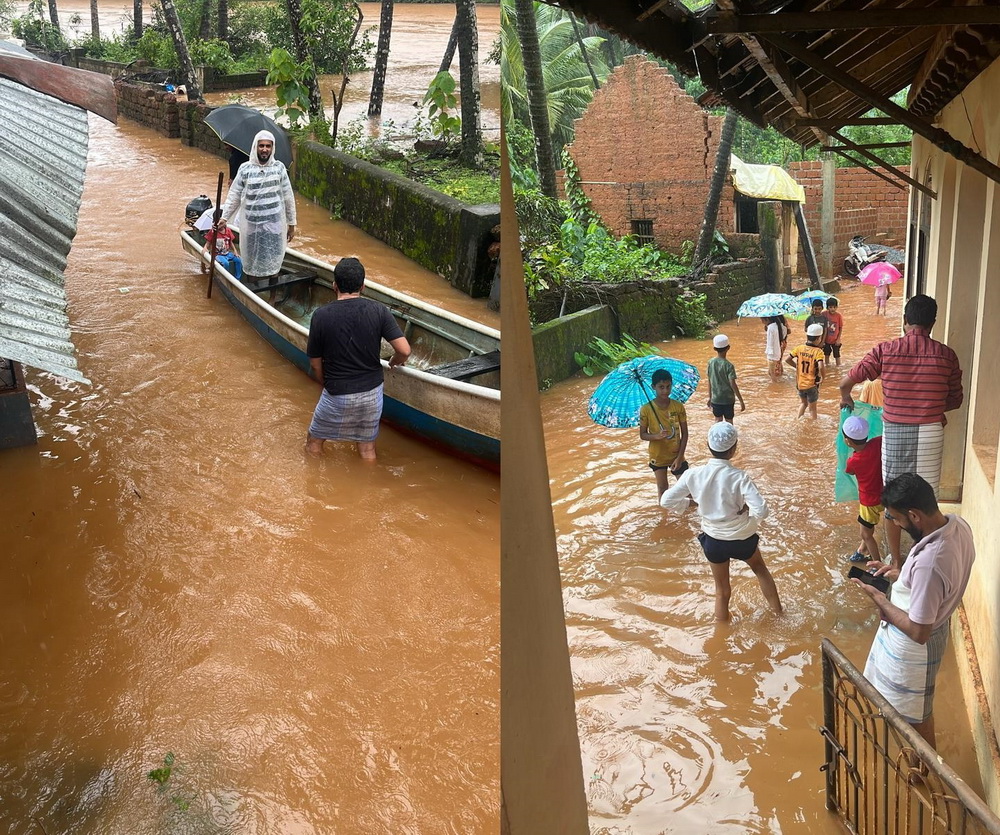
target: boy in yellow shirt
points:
(663, 422)
(807, 360)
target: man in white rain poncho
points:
(264, 191)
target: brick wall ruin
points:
(645, 151)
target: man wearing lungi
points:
(344, 348)
(913, 633)
(921, 380)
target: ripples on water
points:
(687, 726)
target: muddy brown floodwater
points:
(687, 726)
(314, 641)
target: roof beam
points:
(836, 124)
(731, 22)
(829, 149)
(940, 138)
(776, 70)
(906, 178)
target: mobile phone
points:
(869, 579)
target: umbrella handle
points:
(651, 398)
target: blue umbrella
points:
(617, 400)
(770, 304)
(809, 296)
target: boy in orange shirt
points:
(807, 360)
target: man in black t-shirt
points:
(345, 339)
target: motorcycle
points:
(861, 255)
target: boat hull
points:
(460, 418)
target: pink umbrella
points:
(879, 273)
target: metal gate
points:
(882, 778)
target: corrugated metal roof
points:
(41, 183)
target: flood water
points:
(687, 726)
(420, 34)
(314, 641)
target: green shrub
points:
(690, 315)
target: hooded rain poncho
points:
(265, 192)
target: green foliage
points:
(7, 10)
(690, 315)
(539, 217)
(212, 53)
(290, 88)
(36, 30)
(259, 28)
(157, 49)
(161, 776)
(579, 203)
(719, 250)
(166, 784)
(606, 356)
(440, 98)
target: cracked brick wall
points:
(645, 151)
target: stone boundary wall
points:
(209, 79)
(644, 310)
(435, 230)
(149, 106)
(855, 188)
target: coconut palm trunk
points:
(137, 19)
(53, 14)
(95, 24)
(449, 50)
(534, 83)
(223, 21)
(381, 60)
(180, 45)
(715, 189)
(304, 56)
(468, 57)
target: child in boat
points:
(223, 238)
(663, 422)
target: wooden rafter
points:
(881, 163)
(829, 149)
(835, 124)
(730, 22)
(940, 138)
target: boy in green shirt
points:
(723, 392)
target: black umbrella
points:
(237, 125)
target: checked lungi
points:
(347, 417)
(903, 671)
(912, 448)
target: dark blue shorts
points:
(724, 410)
(724, 550)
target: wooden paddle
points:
(214, 234)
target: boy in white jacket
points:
(731, 509)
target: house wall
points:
(864, 204)
(963, 274)
(646, 149)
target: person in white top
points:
(731, 509)
(910, 642)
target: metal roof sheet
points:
(41, 184)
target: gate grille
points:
(882, 778)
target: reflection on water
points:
(315, 641)
(687, 726)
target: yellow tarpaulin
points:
(765, 181)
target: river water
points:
(314, 641)
(419, 36)
(687, 726)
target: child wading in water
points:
(882, 295)
(865, 464)
(807, 360)
(722, 389)
(834, 330)
(731, 510)
(663, 422)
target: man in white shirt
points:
(910, 642)
(731, 509)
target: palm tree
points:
(303, 54)
(381, 60)
(468, 58)
(137, 19)
(223, 20)
(535, 92)
(95, 25)
(722, 164)
(568, 81)
(180, 46)
(53, 14)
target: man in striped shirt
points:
(921, 380)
